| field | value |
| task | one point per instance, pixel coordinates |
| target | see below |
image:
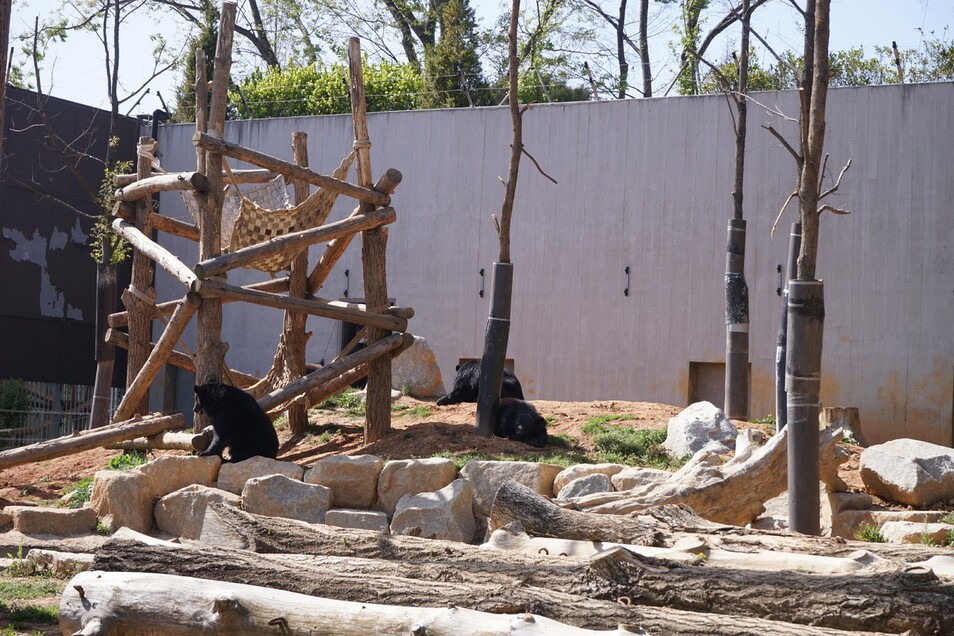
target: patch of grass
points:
(347, 401)
(460, 459)
(598, 424)
(562, 440)
(624, 445)
(79, 493)
(769, 419)
(948, 518)
(128, 460)
(18, 588)
(403, 410)
(870, 532)
(44, 614)
(18, 616)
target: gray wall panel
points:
(647, 184)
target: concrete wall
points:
(646, 184)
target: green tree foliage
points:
(297, 91)
(933, 62)
(14, 402)
(452, 60)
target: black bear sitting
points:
(519, 421)
(467, 385)
(238, 422)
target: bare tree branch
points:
(539, 169)
(784, 143)
(832, 210)
(834, 188)
(785, 205)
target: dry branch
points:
(85, 440)
(255, 175)
(168, 441)
(158, 222)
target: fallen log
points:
(542, 518)
(95, 603)
(896, 602)
(487, 587)
(85, 440)
(733, 493)
(168, 441)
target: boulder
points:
(232, 477)
(445, 514)
(700, 425)
(281, 496)
(488, 476)
(353, 479)
(570, 473)
(55, 521)
(56, 563)
(124, 498)
(637, 476)
(358, 519)
(182, 512)
(415, 372)
(847, 523)
(172, 472)
(909, 471)
(597, 482)
(412, 476)
(913, 532)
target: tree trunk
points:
(540, 517)
(95, 603)
(644, 48)
(733, 493)
(293, 336)
(507, 588)
(897, 602)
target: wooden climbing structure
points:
(260, 238)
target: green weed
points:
(403, 410)
(624, 445)
(128, 460)
(870, 532)
(347, 401)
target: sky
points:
(74, 69)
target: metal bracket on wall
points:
(626, 290)
(778, 273)
(480, 292)
(347, 282)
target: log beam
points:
(85, 440)
(162, 183)
(290, 170)
(168, 440)
(293, 242)
(254, 175)
(216, 289)
(166, 259)
(158, 221)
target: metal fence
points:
(54, 410)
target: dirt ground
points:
(418, 429)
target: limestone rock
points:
(909, 471)
(444, 514)
(637, 476)
(700, 425)
(570, 473)
(232, 477)
(38, 520)
(588, 485)
(353, 479)
(358, 519)
(913, 532)
(124, 498)
(415, 372)
(172, 472)
(181, 513)
(412, 476)
(56, 563)
(281, 496)
(848, 522)
(488, 476)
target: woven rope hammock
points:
(262, 213)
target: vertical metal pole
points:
(495, 349)
(736, 404)
(781, 402)
(806, 319)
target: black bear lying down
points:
(238, 423)
(467, 385)
(519, 421)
